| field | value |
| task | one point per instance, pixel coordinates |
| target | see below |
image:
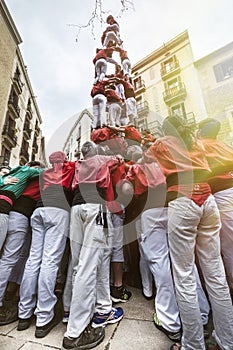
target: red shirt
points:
(62, 177)
(220, 159)
(145, 175)
(182, 167)
(112, 96)
(32, 190)
(132, 134)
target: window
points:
(142, 125)
(169, 65)
(5, 155)
(178, 110)
(224, 70)
(172, 83)
(138, 83)
(152, 73)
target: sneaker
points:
(88, 339)
(120, 294)
(115, 315)
(174, 336)
(8, 315)
(42, 331)
(24, 323)
(65, 317)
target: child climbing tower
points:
(114, 92)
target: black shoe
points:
(174, 336)
(8, 315)
(120, 294)
(89, 338)
(148, 298)
(41, 332)
(24, 323)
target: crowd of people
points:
(63, 228)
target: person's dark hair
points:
(113, 87)
(89, 149)
(177, 126)
(146, 131)
(5, 167)
(110, 17)
(35, 163)
(209, 128)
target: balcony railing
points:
(14, 108)
(29, 112)
(8, 135)
(18, 85)
(169, 71)
(27, 131)
(37, 130)
(24, 155)
(34, 147)
(155, 128)
(139, 86)
(142, 108)
(175, 93)
(188, 117)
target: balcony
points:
(142, 108)
(8, 136)
(139, 86)
(37, 130)
(24, 156)
(190, 119)
(14, 108)
(155, 128)
(168, 72)
(27, 131)
(18, 85)
(175, 94)
(29, 112)
(35, 148)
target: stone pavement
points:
(136, 331)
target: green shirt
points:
(23, 173)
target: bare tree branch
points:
(99, 15)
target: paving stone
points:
(138, 335)
(10, 343)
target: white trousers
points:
(193, 228)
(100, 69)
(154, 248)
(131, 109)
(3, 228)
(111, 36)
(49, 232)
(114, 113)
(91, 247)
(99, 110)
(18, 230)
(224, 200)
(126, 66)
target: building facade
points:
(215, 73)
(166, 83)
(80, 133)
(20, 119)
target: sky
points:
(60, 65)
